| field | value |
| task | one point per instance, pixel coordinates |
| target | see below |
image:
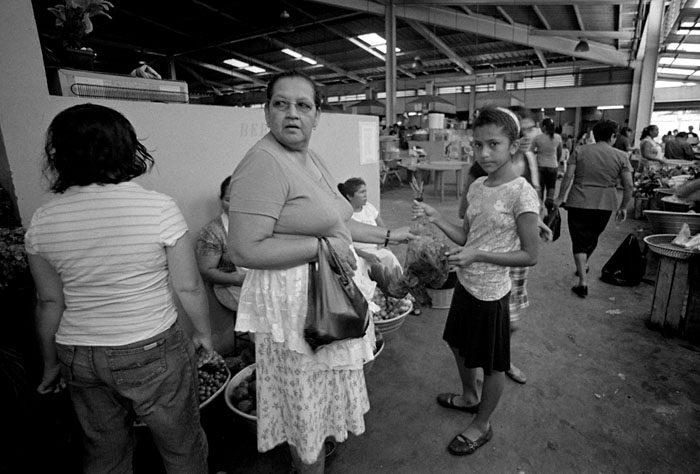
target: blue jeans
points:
(154, 380)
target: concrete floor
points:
(605, 394)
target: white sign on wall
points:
(369, 142)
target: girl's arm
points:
(455, 233)
(380, 221)
(49, 311)
(527, 229)
(187, 283)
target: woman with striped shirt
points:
(102, 253)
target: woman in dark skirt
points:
(592, 173)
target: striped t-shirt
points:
(107, 243)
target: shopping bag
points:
(337, 309)
(627, 265)
(553, 219)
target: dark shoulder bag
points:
(337, 309)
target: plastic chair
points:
(389, 169)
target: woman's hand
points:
(402, 235)
(203, 342)
(559, 201)
(620, 216)
(546, 233)
(51, 381)
(461, 256)
(421, 209)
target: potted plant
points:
(73, 21)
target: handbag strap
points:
(334, 257)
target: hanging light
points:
(286, 25)
(582, 46)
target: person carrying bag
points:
(337, 309)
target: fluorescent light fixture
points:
(254, 69)
(291, 53)
(611, 107)
(236, 63)
(676, 71)
(308, 60)
(372, 39)
(559, 109)
(382, 48)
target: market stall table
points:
(437, 170)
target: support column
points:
(390, 32)
(577, 125)
(472, 103)
(645, 70)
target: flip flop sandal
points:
(461, 446)
(447, 400)
(518, 376)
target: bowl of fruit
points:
(240, 396)
(213, 376)
(392, 312)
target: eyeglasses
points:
(284, 105)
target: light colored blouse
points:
(271, 181)
(108, 244)
(492, 215)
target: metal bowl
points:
(667, 222)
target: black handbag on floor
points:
(627, 265)
(337, 309)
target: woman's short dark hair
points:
(350, 187)
(624, 131)
(224, 187)
(604, 129)
(91, 144)
(492, 116)
(548, 126)
(292, 74)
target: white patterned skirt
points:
(305, 406)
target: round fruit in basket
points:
(213, 375)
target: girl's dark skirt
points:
(585, 226)
(479, 330)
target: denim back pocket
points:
(66, 354)
(137, 365)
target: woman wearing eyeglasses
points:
(282, 198)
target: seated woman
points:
(213, 259)
(355, 191)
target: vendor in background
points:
(678, 148)
(623, 142)
(213, 260)
(547, 147)
(355, 191)
(652, 156)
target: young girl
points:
(500, 231)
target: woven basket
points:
(661, 244)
